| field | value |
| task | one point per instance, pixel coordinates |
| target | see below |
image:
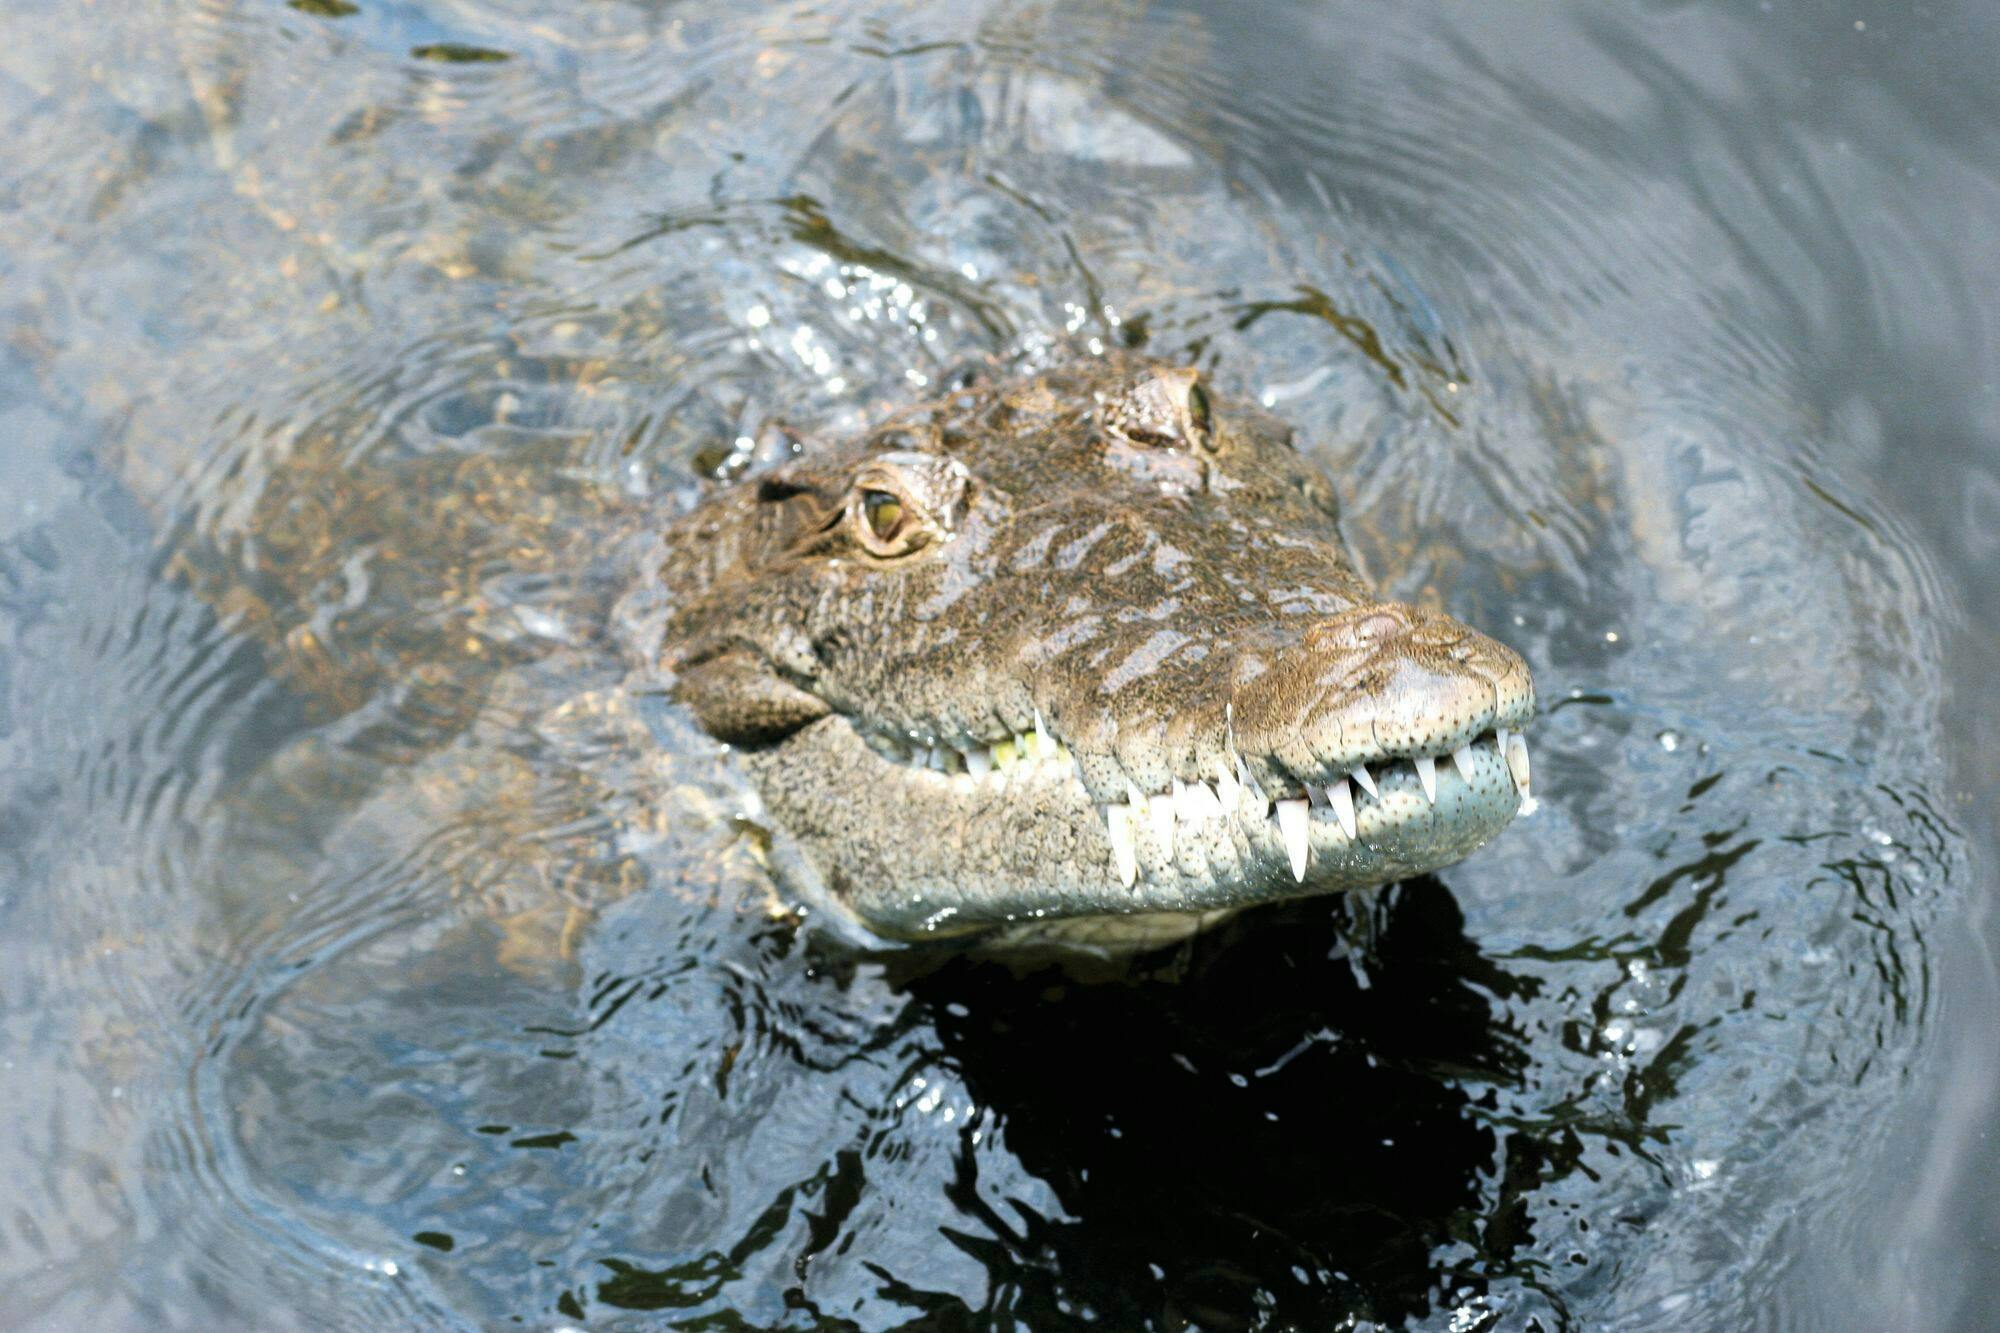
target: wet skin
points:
(1082, 655)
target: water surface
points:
(382, 947)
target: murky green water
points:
(379, 947)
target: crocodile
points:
(1081, 655)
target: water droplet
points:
(1670, 740)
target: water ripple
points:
(382, 942)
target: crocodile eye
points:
(884, 513)
(885, 523)
(1164, 409)
(902, 501)
(1198, 408)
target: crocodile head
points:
(1080, 647)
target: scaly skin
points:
(1137, 612)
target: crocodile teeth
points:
(1292, 824)
(1461, 759)
(1427, 773)
(1361, 775)
(1197, 801)
(1124, 842)
(1258, 800)
(1341, 797)
(1228, 791)
(1160, 809)
(1517, 760)
(979, 761)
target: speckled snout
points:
(1317, 729)
(1381, 682)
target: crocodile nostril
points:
(1376, 625)
(1371, 628)
(1357, 630)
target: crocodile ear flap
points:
(738, 699)
(795, 506)
(782, 485)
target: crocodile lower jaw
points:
(1304, 819)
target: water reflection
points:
(1286, 1131)
(381, 941)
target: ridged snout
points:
(1385, 680)
(1293, 700)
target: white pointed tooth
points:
(1160, 809)
(979, 761)
(1228, 791)
(1124, 842)
(1427, 773)
(1252, 793)
(1197, 801)
(1341, 797)
(1500, 738)
(1292, 825)
(1517, 761)
(1461, 759)
(934, 757)
(1361, 775)
(1133, 796)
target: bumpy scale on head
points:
(1079, 646)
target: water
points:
(382, 948)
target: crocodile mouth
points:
(1251, 829)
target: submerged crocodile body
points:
(1082, 653)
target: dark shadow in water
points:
(1277, 1135)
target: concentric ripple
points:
(383, 949)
